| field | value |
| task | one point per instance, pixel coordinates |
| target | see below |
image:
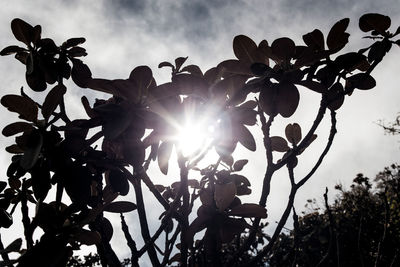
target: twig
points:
(131, 243)
(143, 221)
(184, 209)
(25, 217)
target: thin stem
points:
(131, 243)
(25, 217)
(184, 209)
(143, 221)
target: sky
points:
(123, 34)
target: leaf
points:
(118, 182)
(52, 100)
(14, 246)
(231, 227)
(245, 137)
(143, 76)
(239, 164)
(244, 49)
(314, 40)
(22, 31)
(279, 144)
(337, 37)
(25, 107)
(17, 127)
(179, 62)
(77, 51)
(293, 133)
(335, 97)
(74, 42)
(362, 81)
(288, 99)
(106, 229)
(87, 237)
(224, 195)
(80, 73)
(373, 21)
(233, 66)
(248, 210)
(32, 150)
(165, 64)
(120, 207)
(261, 69)
(12, 49)
(284, 48)
(164, 153)
(192, 69)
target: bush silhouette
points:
(91, 161)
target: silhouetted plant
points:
(140, 123)
(366, 231)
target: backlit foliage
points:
(94, 160)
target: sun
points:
(194, 137)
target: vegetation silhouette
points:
(92, 161)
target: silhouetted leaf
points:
(251, 104)
(314, 40)
(22, 31)
(245, 137)
(25, 107)
(284, 48)
(279, 144)
(106, 229)
(338, 37)
(179, 62)
(74, 42)
(166, 64)
(14, 149)
(32, 151)
(77, 51)
(3, 185)
(52, 100)
(239, 164)
(335, 96)
(233, 66)
(143, 77)
(12, 49)
(260, 69)
(16, 127)
(164, 153)
(244, 49)
(190, 84)
(5, 219)
(362, 81)
(349, 61)
(192, 69)
(87, 237)
(80, 73)
(224, 195)
(120, 207)
(249, 210)
(119, 182)
(288, 99)
(373, 21)
(14, 246)
(293, 133)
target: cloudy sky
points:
(122, 34)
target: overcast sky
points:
(122, 34)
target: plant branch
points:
(131, 243)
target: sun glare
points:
(194, 137)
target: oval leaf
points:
(293, 133)
(120, 207)
(362, 81)
(287, 99)
(25, 107)
(249, 210)
(88, 237)
(22, 31)
(373, 21)
(337, 37)
(164, 153)
(283, 48)
(52, 100)
(245, 137)
(244, 48)
(279, 144)
(16, 127)
(238, 166)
